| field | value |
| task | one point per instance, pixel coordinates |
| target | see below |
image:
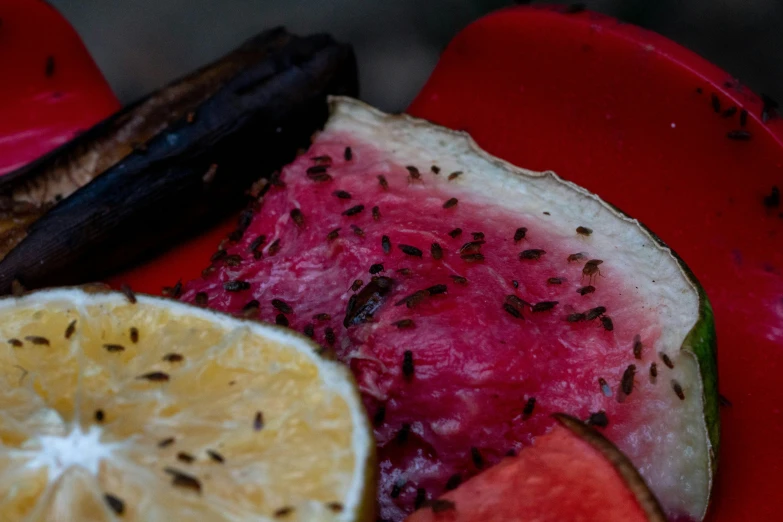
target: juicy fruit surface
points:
(189, 416)
(561, 476)
(453, 379)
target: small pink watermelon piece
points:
(472, 299)
(572, 473)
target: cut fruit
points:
(572, 473)
(158, 411)
(471, 298)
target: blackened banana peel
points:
(192, 172)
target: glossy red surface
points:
(51, 89)
(616, 109)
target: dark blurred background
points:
(142, 44)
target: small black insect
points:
(435, 169)
(357, 284)
(274, 248)
(520, 234)
(455, 233)
(402, 435)
(532, 254)
(335, 507)
(69, 331)
(115, 503)
(772, 200)
(173, 357)
(187, 458)
(37, 339)
(472, 258)
(258, 421)
(515, 283)
(455, 175)
(251, 308)
(281, 320)
(309, 330)
(166, 442)
(715, 101)
(665, 358)
(530, 405)
(626, 383)
(316, 170)
(769, 106)
(584, 231)
(739, 135)
(154, 377)
(731, 111)
(386, 244)
(376, 213)
(257, 243)
(412, 300)
(653, 371)
(382, 181)
(357, 230)
(16, 343)
(183, 480)
(217, 457)
(594, 313)
(724, 401)
(236, 286)
(477, 236)
(607, 323)
(173, 291)
(234, 260)
(348, 154)
(329, 335)
(413, 172)
(404, 323)
(577, 257)
(437, 289)
(678, 390)
(512, 310)
(342, 194)
(331, 236)
(283, 511)
(453, 482)
(478, 459)
(452, 202)
(353, 210)
(575, 317)
(637, 346)
(297, 217)
(471, 247)
(544, 306)
(516, 302)
(129, 295)
(99, 415)
(598, 419)
(459, 279)
(410, 250)
(380, 415)
(377, 267)
(421, 498)
(554, 281)
(282, 306)
(589, 289)
(114, 348)
(436, 251)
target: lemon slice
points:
(117, 408)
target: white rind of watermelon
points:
(450, 393)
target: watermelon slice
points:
(472, 299)
(571, 473)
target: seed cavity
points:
(454, 481)
(281, 320)
(472, 258)
(739, 135)
(382, 181)
(441, 505)
(512, 311)
(297, 217)
(283, 512)
(437, 251)
(599, 419)
(404, 323)
(329, 335)
(471, 247)
(376, 213)
(331, 236)
(554, 281)
(274, 248)
(456, 233)
(357, 230)
(459, 279)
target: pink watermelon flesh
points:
(451, 388)
(561, 477)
